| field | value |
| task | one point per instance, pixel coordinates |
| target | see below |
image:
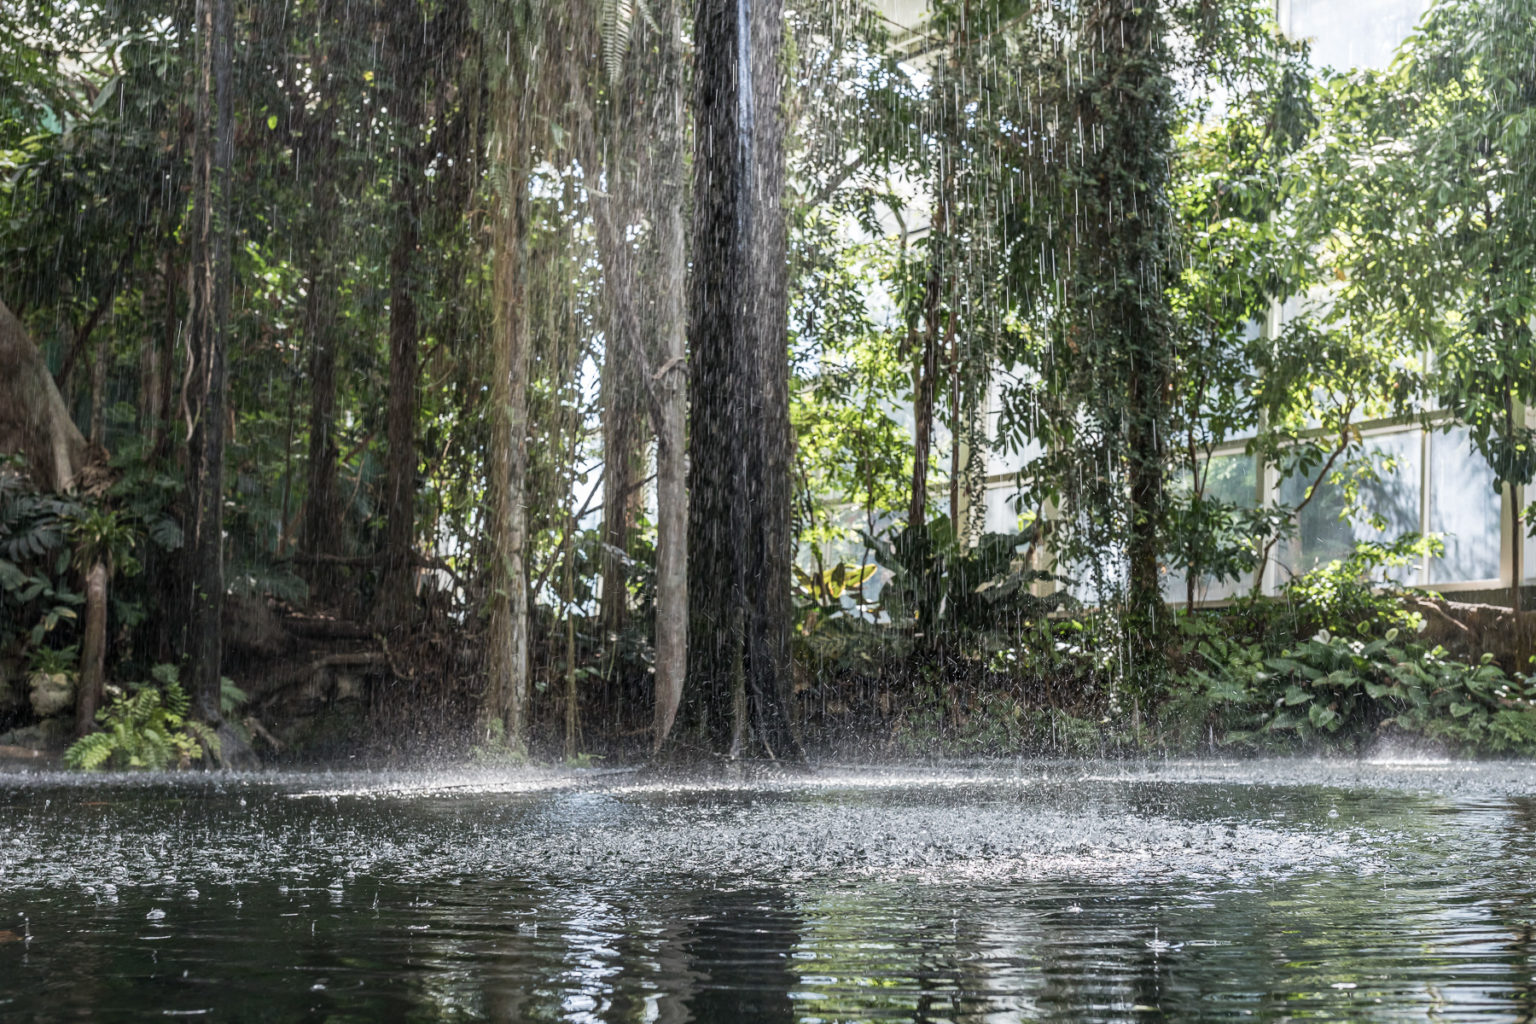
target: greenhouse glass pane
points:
(1231, 478)
(1464, 508)
(1357, 34)
(1528, 560)
(1002, 513)
(1327, 533)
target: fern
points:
(90, 752)
(147, 729)
(618, 26)
(618, 17)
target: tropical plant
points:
(951, 593)
(1333, 690)
(145, 727)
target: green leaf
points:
(1323, 717)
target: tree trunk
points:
(507, 622)
(99, 360)
(93, 649)
(739, 516)
(1128, 100)
(671, 452)
(154, 353)
(320, 529)
(33, 419)
(397, 592)
(925, 390)
(622, 394)
(213, 153)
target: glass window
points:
(1356, 34)
(1002, 515)
(1528, 560)
(1326, 528)
(1464, 508)
(999, 458)
(1231, 478)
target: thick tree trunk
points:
(397, 592)
(1128, 101)
(93, 649)
(623, 404)
(507, 622)
(320, 527)
(739, 515)
(671, 452)
(33, 419)
(397, 596)
(209, 231)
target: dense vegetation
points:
(534, 376)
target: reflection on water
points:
(1270, 891)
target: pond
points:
(1271, 890)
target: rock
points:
(348, 686)
(50, 733)
(51, 694)
(252, 630)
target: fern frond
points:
(175, 699)
(618, 23)
(90, 752)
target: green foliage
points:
(35, 561)
(146, 727)
(1357, 591)
(1331, 689)
(949, 592)
(1341, 690)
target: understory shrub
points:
(1335, 691)
(145, 727)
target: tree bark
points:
(622, 391)
(671, 440)
(213, 154)
(397, 597)
(739, 515)
(507, 621)
(1129, 102)
(925, 391)
(320, 521)
(93, 649)
(320, 527)
(154, 354)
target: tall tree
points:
(739, 443)
(318, 154)
(506, 690)
(405, 37)
(1127, 103)
(670, 378)
(208, 328)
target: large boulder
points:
(34, 421)
(252, 630)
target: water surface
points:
(1082, 891)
